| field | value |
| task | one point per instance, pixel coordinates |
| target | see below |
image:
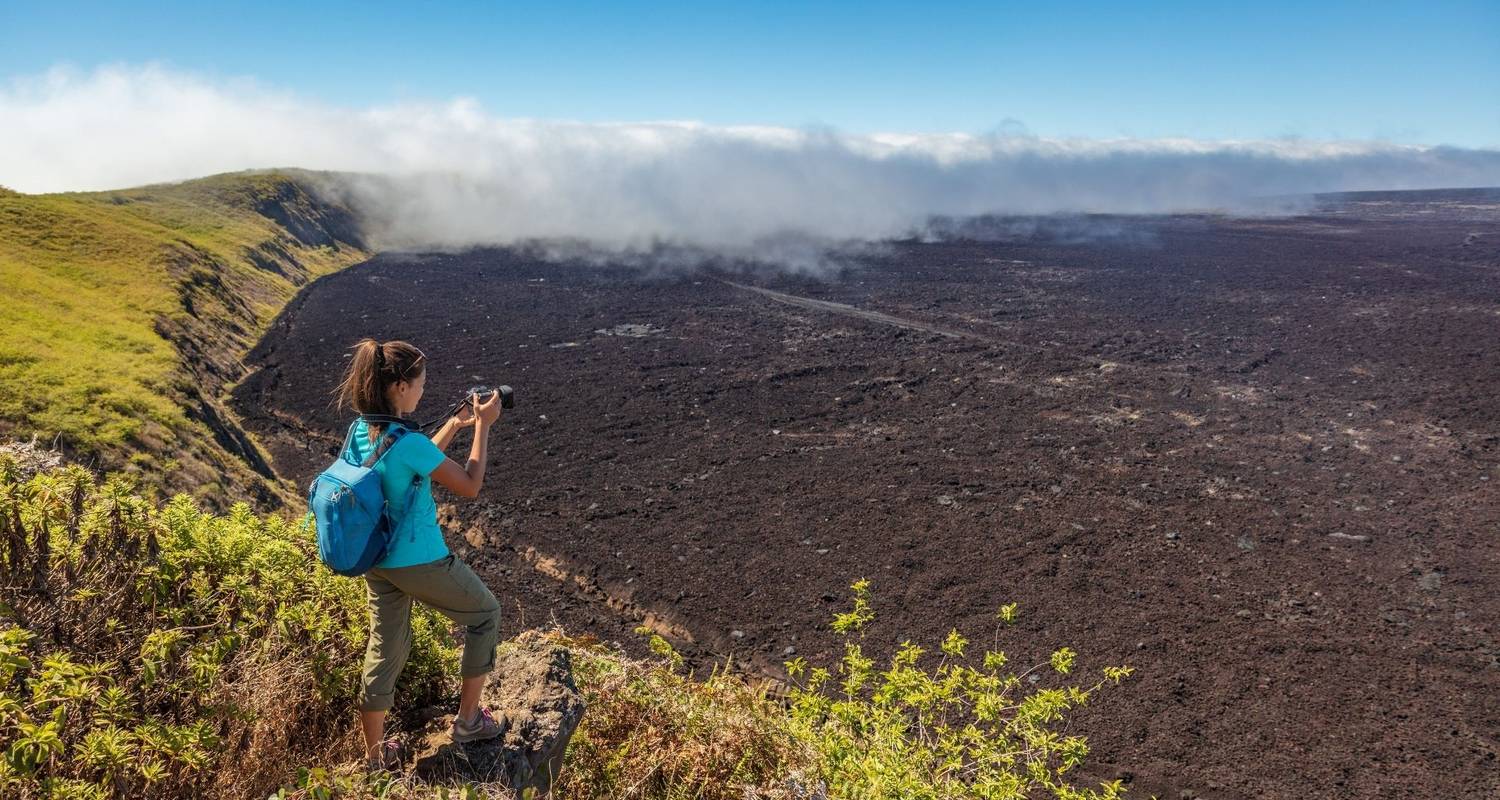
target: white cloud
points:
(468, 177)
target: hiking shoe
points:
(391, 753)
(484, 726)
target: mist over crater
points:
(450, 175)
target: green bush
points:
(954, 731)
(172, 653)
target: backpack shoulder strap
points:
(348, 439)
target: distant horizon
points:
(454, 173)
(1494, 187)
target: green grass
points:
(91, 278)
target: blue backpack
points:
(349, 505)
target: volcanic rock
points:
(533, 690)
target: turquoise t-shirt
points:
(417, 539)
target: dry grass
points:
(653, 732)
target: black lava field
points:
(1257, 459)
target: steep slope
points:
(125, 314)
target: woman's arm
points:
(444, 435)
(467, 480)
(463, 419)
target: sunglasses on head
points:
(421, 357)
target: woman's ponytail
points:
(373, 367)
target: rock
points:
(737, 634)
(797, 787)
(532, 688)
(31, 458)
(631, 329)
(1173, 535)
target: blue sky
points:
(1425, 73)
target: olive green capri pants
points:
(450, 588)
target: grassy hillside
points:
(126, 313)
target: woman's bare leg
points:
(373, 725)
(468, 697)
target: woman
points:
(384, 384)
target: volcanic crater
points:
(1257, 459)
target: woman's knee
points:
(488, 617)
(486, 607)
(385, 657)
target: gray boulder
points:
(532, 687)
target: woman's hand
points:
(488, 412)
(466, 480)
(464, 415)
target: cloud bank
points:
(449, 174)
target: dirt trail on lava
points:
(1256, 459)
(851, 311)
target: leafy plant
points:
(172, 653)
(954, 730)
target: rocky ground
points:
(1257, 459)
(30, 457)
(539, 705)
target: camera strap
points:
(409, 424)
(413, 425)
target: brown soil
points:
(1257, 459)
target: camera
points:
(474, 393)
(507, 395)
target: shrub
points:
(171, 653)
(955, 731)
(947, 732)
